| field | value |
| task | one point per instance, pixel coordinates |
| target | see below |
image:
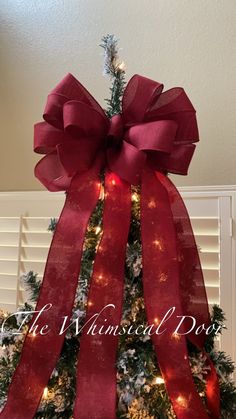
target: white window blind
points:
(207, 234)
(24, 244)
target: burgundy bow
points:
(154, 127)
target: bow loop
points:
(74, 155)
(82, 120)
(175, 105)
(177, 162)
(46, 138)
(139, 95)
(69, 88)
(53, 112)
(153, 136)
(51, 173)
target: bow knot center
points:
(116, 131)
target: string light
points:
(101, 280)
(182, 401)
(163, 277)
(152, 204)
(135, 197)
(121, 66)
(176, 336)
(90, 303)
(113, 182)
(45, 393)
(159, 245)
(156, 320)
(97, 230)
(159, 380)
(102, 193)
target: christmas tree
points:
(141, 389)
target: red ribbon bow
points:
(153, 135)
(154, 127)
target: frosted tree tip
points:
(111, 65)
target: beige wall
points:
(190, 43)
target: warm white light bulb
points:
(97, 230)
(121, 66)
(182, 401)
(152, 204)
(159, 380)
(102, 194)
(45, 393)
(134, 197)
(176, 336)
(159, 245)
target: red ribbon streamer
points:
(96, 374)
(193, 292)
(154, 133)
(161, 280)
(40, 353)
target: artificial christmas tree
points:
(141, 388)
